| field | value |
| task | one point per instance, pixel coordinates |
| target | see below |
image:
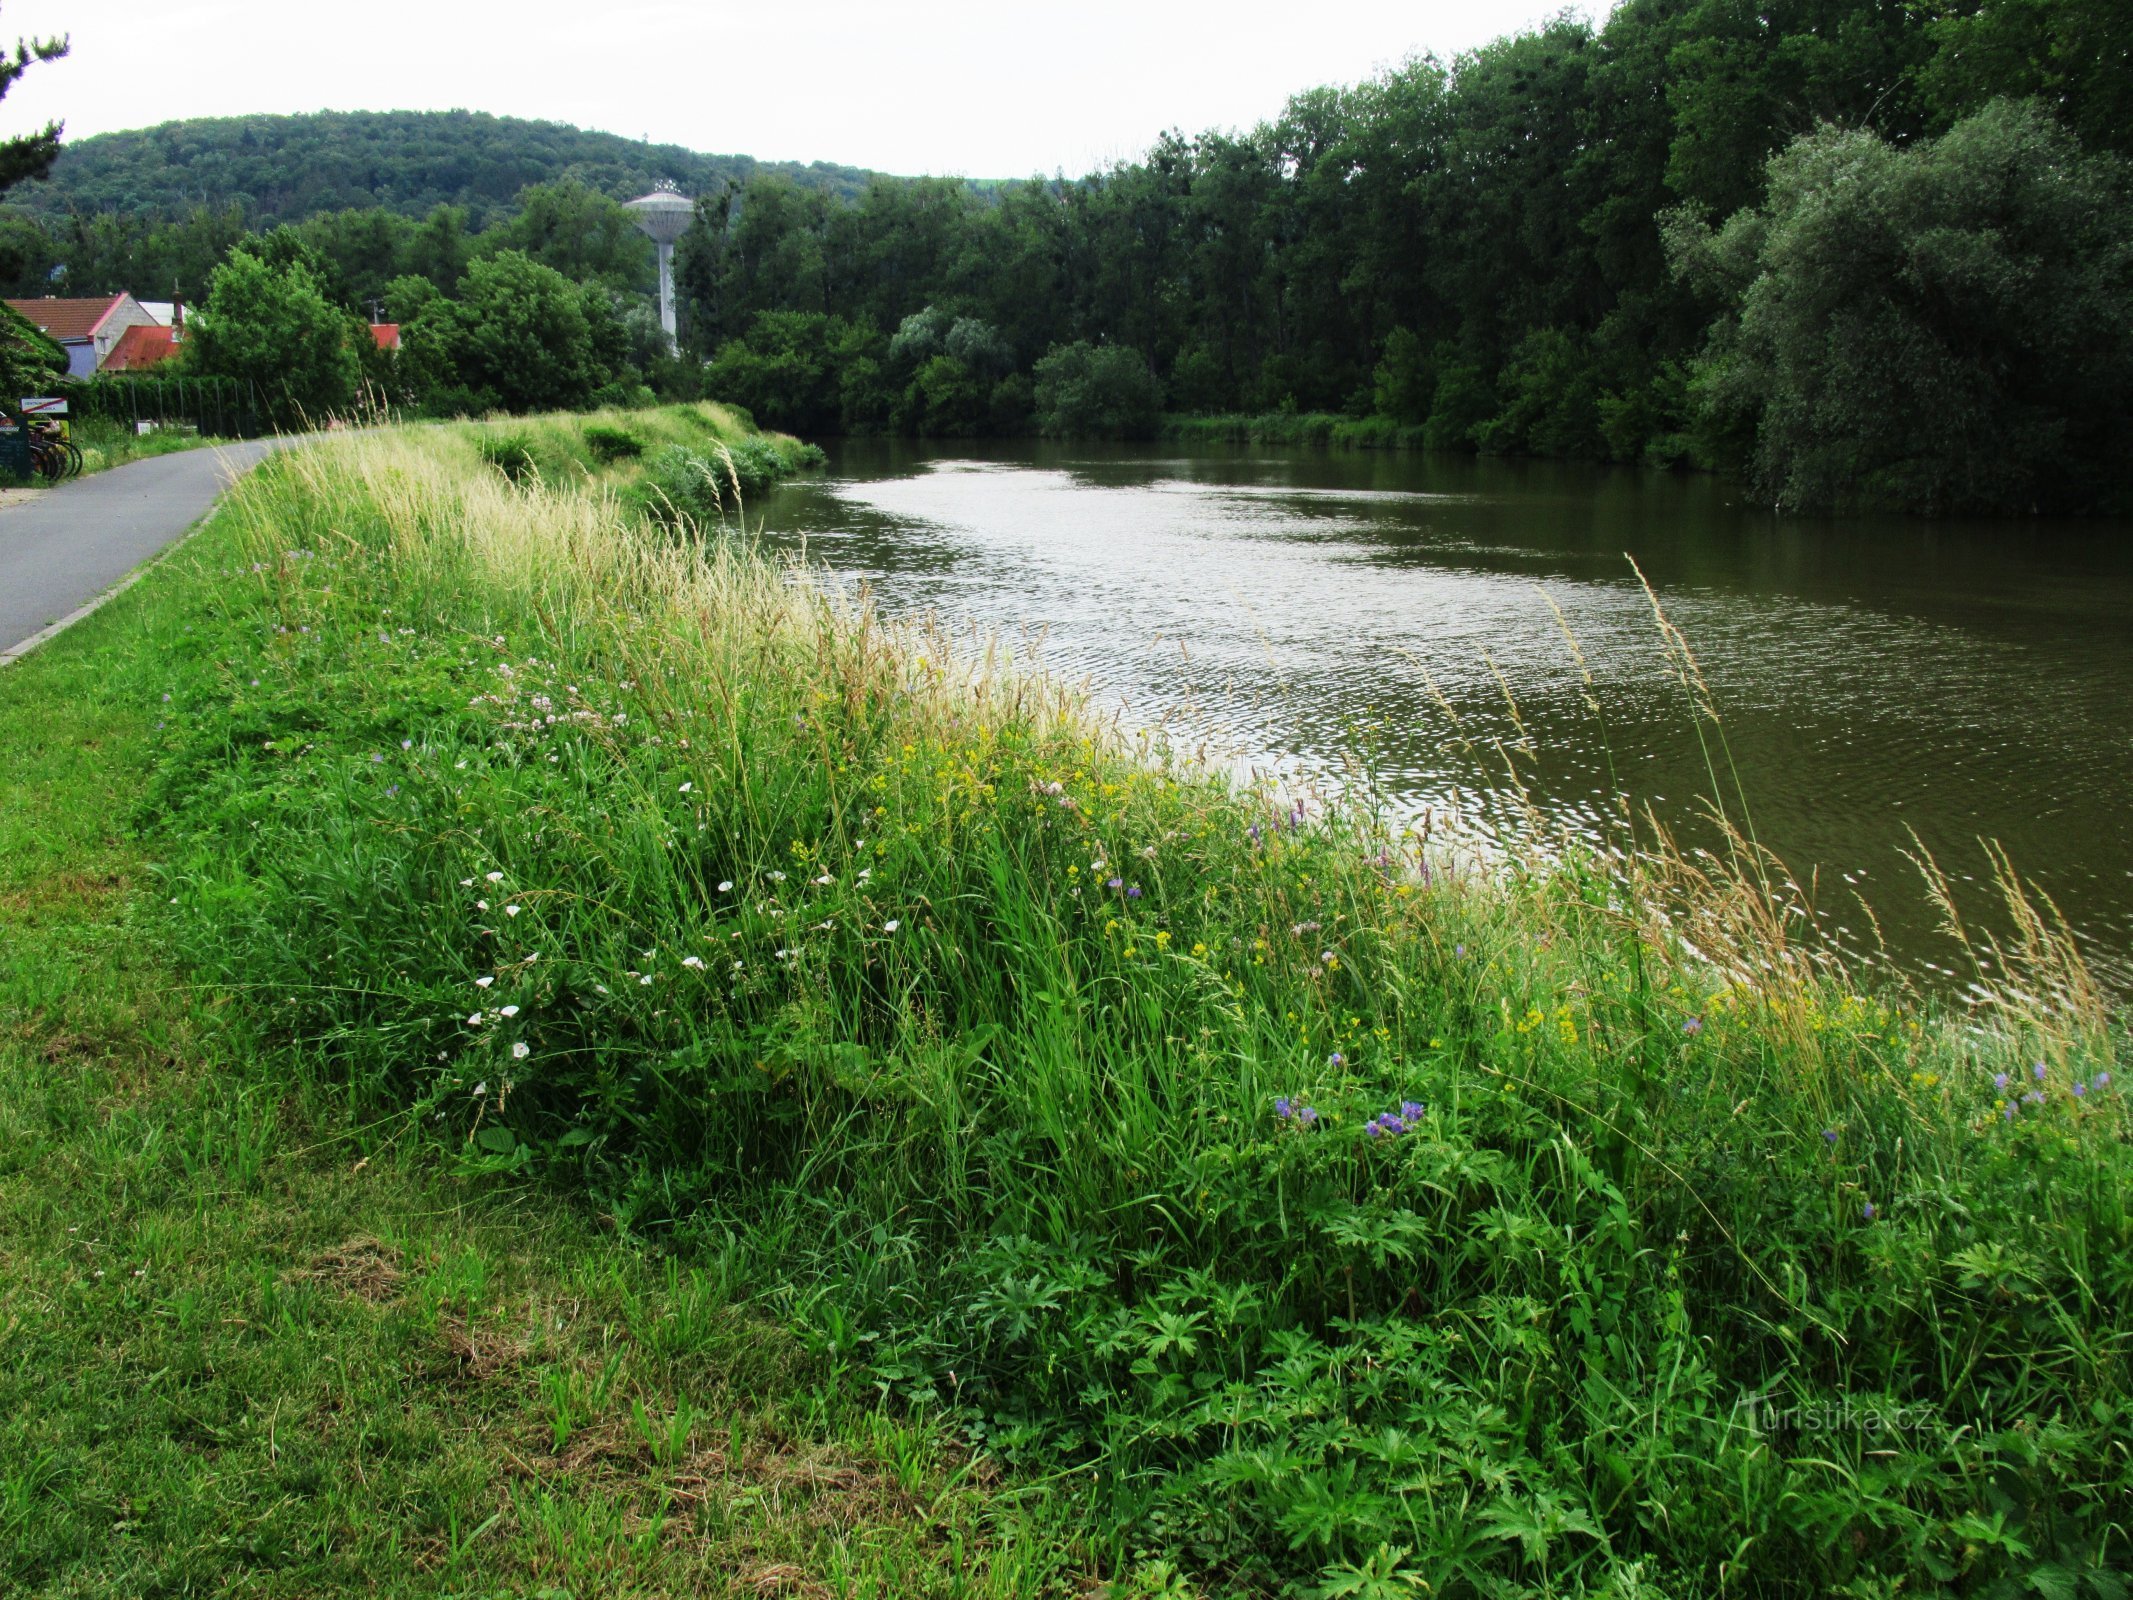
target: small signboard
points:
(46, 407)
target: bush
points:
(612, 444)
(1086, 391)
(509, 453)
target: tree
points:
(1945, 327)
(273, 327)
(28, 155)
(516, 338)
(1097, 392)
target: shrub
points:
(509, 453)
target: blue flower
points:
(1830, 1134)
(1693, 1025)
(1335, 1059)
(1307, 1116)
(1867, 1211)
(1282, 1107)
(1115, 883)
(1999, 1080)
(2039, 1070)
(2103, 1080)
(2081, 1088)
(1411, 1109)
(1134, 893)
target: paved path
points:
(62, 551)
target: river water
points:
(1876, 678)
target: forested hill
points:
(286, 168)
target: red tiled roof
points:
(387, 334)
(140, 346)
(67, 319)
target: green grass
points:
(252, 1342)
(1277, 1205)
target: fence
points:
(227, 408)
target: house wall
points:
(128, 313)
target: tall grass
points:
(1340, 1223)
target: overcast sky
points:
(983, 90)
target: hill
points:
(286, 168)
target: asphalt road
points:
(71, 544)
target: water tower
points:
(663, 214)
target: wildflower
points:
(507, 1011)
(1134, 893)
(1307, 1116)
(521, 1050)
(1114, 883)
(685, 788)
(2038, 1069)
(644, 980)
(405, 744)
(891, 925)
(692, 961)
(1867, 1211)
(1830, 1135)
(496, 877)
(1410, 1110)
(483, 982)
(511, 911)
(481, 1088)
(1283, 1107)
(2008, 1112)
(166, 699)
(481, 905)
(1458, 949)
(2103, 1080)
(1329, 958)
(1336, 1059)
(475, 1020)
(726, 886)
(466, 883)
(824, 881)
(376, 759)
(2035, 1097)
(1999, 1080)
(2081, 1089)
(1693, 1025)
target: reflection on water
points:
(1964, 680)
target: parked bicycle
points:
(53, 455)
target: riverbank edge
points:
(1531, 1042)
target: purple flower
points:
(1411, 1109)
(1282, 1106)
(2035, 1097)
(1999, 1080)
(1253, 830)
(1335, 1059)
(391, 789)
(407, 744)
(375, 760)
(1389, 1122)
(2038, 1069)
(2081, 1088)
(1830, 1134)
(1307, 1116)
(1134, 893)
(1693, 1025)
(1867, 1211)
(1114, 883)
(2103, 1080)
(2008, 1111)
(1458, 949)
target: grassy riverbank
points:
(1320, 429)
(1247, 1190)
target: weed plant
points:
(1336, 1221)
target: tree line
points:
(1866, 252)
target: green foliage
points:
(610, 444)
(1339, 1226)
(273, 329)
(516, 338)
(1946, 326)
(1404, 386)
(1097, 392)
(1550, 396)
(790, 369)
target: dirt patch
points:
(481, 1352)
(364, 1267)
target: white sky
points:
(984, 90)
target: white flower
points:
(692, 961)
(891, 925)
(825, 880)
(481, 905)
(475, 1020)
(521, 1050)
(601, 987)
(507, 1011)
(496, 877)
(726, 887)
(483, 982)
(481, 1088)
(777, 877)
(685, 788)
(511, 911)
(644, 981)
(466, 883)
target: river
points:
(1876, 677)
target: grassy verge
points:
(253, 1343)
(1330, 1223)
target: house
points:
(88, 330)
(140, 347)
(387, 334)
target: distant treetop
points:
(287, 168)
